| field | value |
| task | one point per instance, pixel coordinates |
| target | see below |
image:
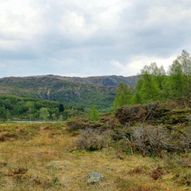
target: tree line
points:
(17, 108)
(156, 84)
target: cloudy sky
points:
(91, 37)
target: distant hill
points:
(72, 91)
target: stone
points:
(95, 177)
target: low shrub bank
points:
(145, 138)
(171, 113)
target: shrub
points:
(157, 173)
(185, 140)
(179, 140)
(184, 178)
(150, 140)
(6, 136)
(76, 124)
(92, 140)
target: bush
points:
(171, 113)
(184, 178)
(150, 140)
(179, 140)
(157, 173)
(76, 124)
(92, 140)
(185, 140)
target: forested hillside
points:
(70, 91)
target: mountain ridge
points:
(71, 78)
(75, 91)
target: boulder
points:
(95, 177)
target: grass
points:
(40, 157)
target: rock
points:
(95, 177)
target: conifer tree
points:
(123, 96)
(94, 114)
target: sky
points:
(91, 37)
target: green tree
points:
(137, 97)
(94, 114)
(176, 80)
(4, 114)
(123, 96)
(147, 88)
(44, 113)
(30, 107)
(184, 62)
(155, 85)
(151, 85)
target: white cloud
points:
(20, 21)
(83, 19)
(134, 66)
(74, 25)
(94, 37)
